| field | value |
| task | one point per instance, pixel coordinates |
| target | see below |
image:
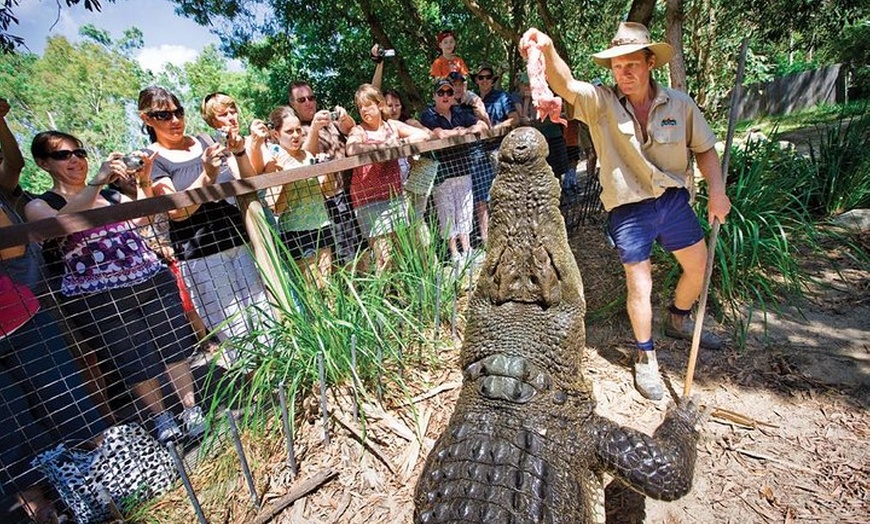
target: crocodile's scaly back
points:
(523, 444)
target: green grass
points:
(816, 115)
(842, 168)
(390, 316)
(778, 199)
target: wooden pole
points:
(714, 233)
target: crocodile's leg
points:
(660, 466)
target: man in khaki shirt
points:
(645, 135)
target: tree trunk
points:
(674, 36)
(414, 99)
(490, 21)
(552, 29)
(642, 11)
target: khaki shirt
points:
(631, 169)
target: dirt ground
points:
(799, 452)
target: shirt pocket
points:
(668, 136)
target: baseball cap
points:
(484, 66)
(442, 83)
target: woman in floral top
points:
(113, 287)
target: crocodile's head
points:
(526, 314)
(529, 258)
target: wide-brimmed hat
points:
(631, 37)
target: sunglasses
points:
(445, 92)
(166, 115)
(212, 95)
(66, 154)
(303, 99)
(484, 77)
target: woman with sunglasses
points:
(299, 207)
(376, 189)
(209, 239)
(453, 191)
(113, 287)
(43, 398)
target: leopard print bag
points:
(128, 467)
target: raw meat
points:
(546, 103)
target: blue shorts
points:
(668, 219)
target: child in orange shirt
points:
(447, 62)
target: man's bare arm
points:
(718, 205)
(13, 161)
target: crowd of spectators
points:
(144, 295)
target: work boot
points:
(683, 327)
(647, 379)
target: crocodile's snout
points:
(522, 145)
(526, 228)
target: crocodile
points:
(524, 444)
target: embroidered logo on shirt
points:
(668, 122)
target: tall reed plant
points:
(756, 253)
(842, 166)
(388, 317)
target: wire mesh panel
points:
(102, 321)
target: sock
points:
(646, 346)
(677, 311)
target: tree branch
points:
(642, 11)
(491, 22)
(552, 29)
(385, 42)
(674, 36)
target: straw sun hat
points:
(629, 38)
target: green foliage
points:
(782, 33)
(842, 167)
(852, 47)
(820, 115)
(328, 43)
(85, 89)
(387, 317)
(756, 253)
(208, 73)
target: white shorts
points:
(222, 286)
(454, 201)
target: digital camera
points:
(221, 137)
(133, 162)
